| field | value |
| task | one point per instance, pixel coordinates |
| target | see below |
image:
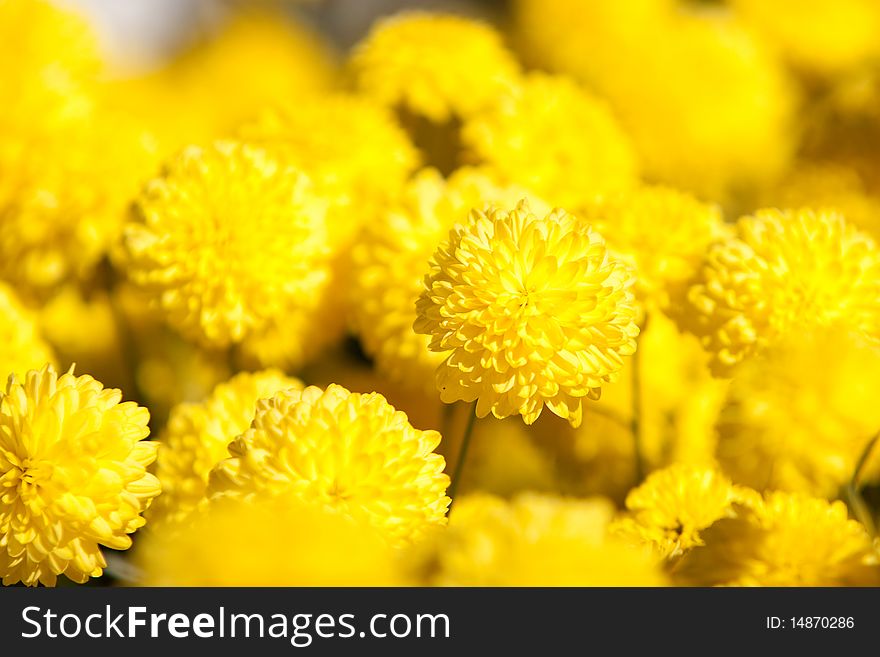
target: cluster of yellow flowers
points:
(595, 301)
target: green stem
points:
(636, 420)
(462, 453)
(856, 501)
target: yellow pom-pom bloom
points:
(787, 539)
(390, 264)
(663, 232)
(782, 271)
(799, 417)
(268, 543)
(817, 35)
(553, 137)
(349, 451)
(228, 239)
(433, 65)
(531, 310)
(536, 540)
(197, 434)
(352, 149)
(73, 465)
(21, 346)
(670, 509)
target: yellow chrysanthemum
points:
(663, 232)
(553, 137)
(227, 240)
(536, 540)
(349, 451)
(73, 465)
(787, 539)
(531, 310)
(197, 434)
(697, 93)
(674, 505)
(352, 149)
(782, 272)
(799, 417)
(390, 264)
(268, 543)
(21, 346)
(817, 35)
(433, 65)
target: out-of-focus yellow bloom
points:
(536, 540)
(227, 240)
(674, 505)
(197, 434)
(348, 451)
(390, 262)
(22, 348)
(553, 137)
(696, 92)
(663, 232)
(531, 310)
(829, 186)
(352, 149)
(787, 539)
(782, 272)
(799, 417)
(433, 65)
(268, 59)
(817, 35)
(268, 543)
(73, 464)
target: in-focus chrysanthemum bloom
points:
(197, 435)
(816, 35)
(786, 539)
(22, 348)
(390, 264)
(352, 149)
(73, 467)
(674, 505)
(782, 272)
(696, 127)
(228, 239)
(535, 540)
(349, 451)
(433, 65)
(799, 417)
(532, 310)
(553, 137)
(268, 542)
(663, 232)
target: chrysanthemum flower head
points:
(536, 540)
(22, 348)
(226, 240)
(270, 542)
(73, 465)
(782, 272)
(532, 310)
(390, 262)
(785, 539)
(815, 35)
(662, 231)
(674, 505)
(349, 451)
(197, 434)
(553, 137)
(799, 417)
(434, 65)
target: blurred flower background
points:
(386, 292)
